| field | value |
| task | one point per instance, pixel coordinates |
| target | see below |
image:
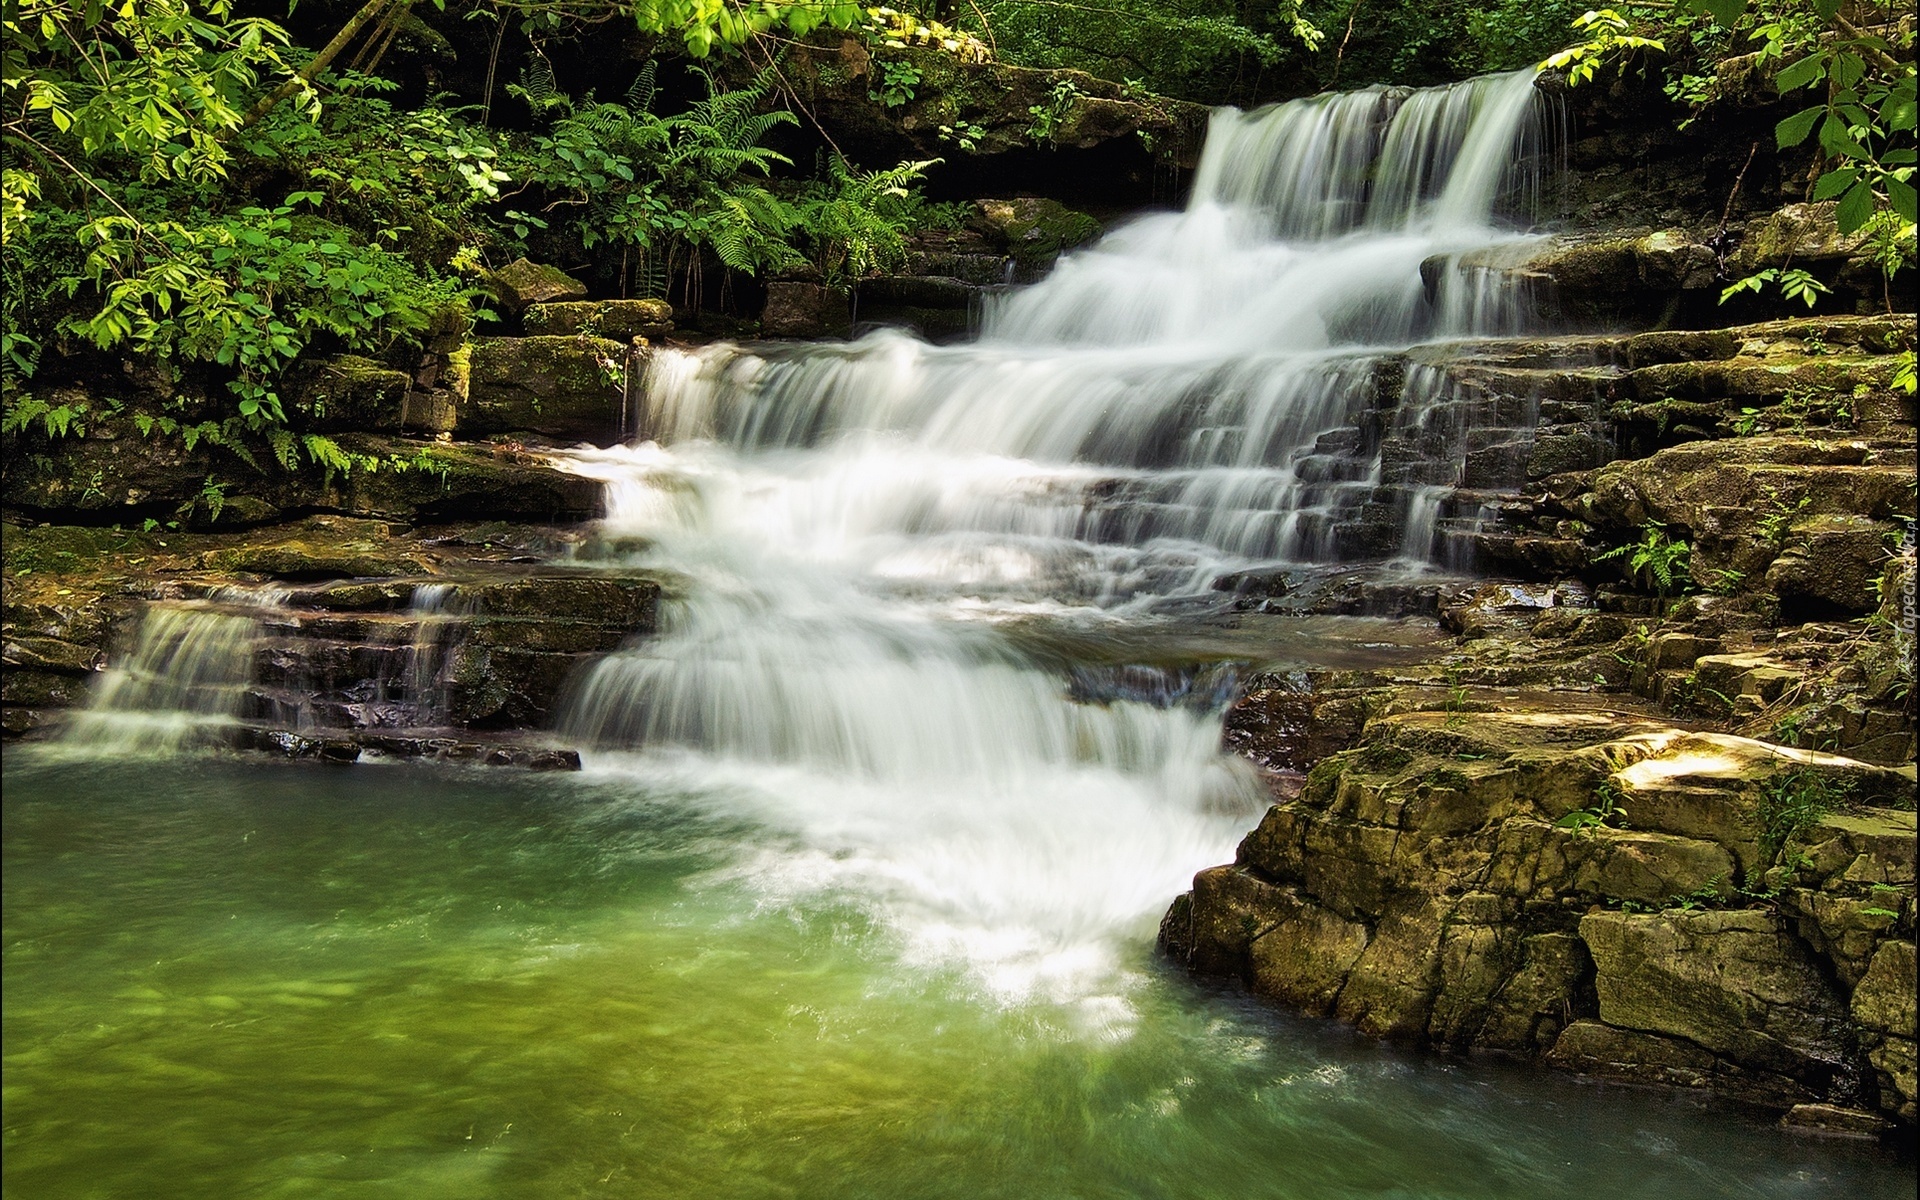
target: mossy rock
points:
(522, 283)
(1034, 230)
(568, 388)
(349, 392)
(620, 320)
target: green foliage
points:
(1047, 117)
(1655, 558)
(894, 82)
(1860, 77)
(249, 291)
(1794, 284)
(1609, 40)
(856, 222)
(1606, 811)
(1795, 801)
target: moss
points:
(67, 547)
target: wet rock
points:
(1562, 883)
(618, 320)
(568, 388)
(1033, 230)
(27, 652)
(1833, 1121)
(1831, 562)
(806, 310)
(1798, 233)
(521, 283)
(319, 548)
(455, 482)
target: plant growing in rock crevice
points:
(1657, 557)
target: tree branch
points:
(331, 51)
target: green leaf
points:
(1902, 197)
(1802, 73)
(1835, 139)
(1834, 182)
(1794, 130)
(1856, 208)
(1724, 12)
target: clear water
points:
(241, 981)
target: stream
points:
(856, 894)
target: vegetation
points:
(186, 185)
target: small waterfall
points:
(184, 681)
(859, 523)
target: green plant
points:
(1610, 39)
(1794, 284)
(1047, 118)
(1606, 811)
(1778, 517)
(964, 134)
(1794, 801)
(856, 222)
(1726, 582)
(1656, 557)
(894, 82)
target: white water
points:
(184, 681)
(855, 520)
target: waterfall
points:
(184, 680)
(863, 527)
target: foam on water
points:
(1142, 420)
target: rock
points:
(348, 392)
(1831, 562)
(619, 320)
(1798, 233)
(569, 388)
(1830, 1120)
(1034, 230)
(27, 652)
(1554, 882)
(521, 284)
(1304, 961)
(28, 688)
(1728, 982)
(805, 310)
(457, 482)
(319, 548)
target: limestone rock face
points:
(521, 284)
(572, 389)
(1563, 884)
(1729, 982)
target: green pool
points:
(234, 980)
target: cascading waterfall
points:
(857, 522)
(185, 679)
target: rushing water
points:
(856, 896)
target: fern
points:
(640, 95)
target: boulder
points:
(798, 309)
(1031, 229)
(349, 392)
(619, 320)
(573, 389)
(1733, 983)
(322, 547)
(521, 284)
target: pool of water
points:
(239, 980)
